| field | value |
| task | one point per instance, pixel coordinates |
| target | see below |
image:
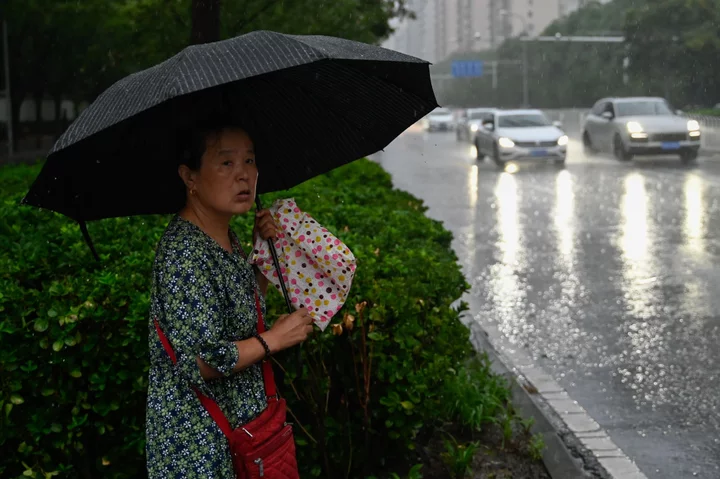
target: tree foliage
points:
(677, 42)
(76, 49)
(671, 46)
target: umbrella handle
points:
(285, 293)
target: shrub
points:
(74, 359)
(473, 395)
(706, 112)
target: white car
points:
(470, 122)
(640, 126)
(440, 119)
(520, 135)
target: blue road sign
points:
(467, 69)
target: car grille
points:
(669, 137)
(535, 144)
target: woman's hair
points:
(193, 143)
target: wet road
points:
(607, 274)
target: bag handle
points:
(209, 404)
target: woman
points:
(203, 297)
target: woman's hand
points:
(289, 330)
(265, 226)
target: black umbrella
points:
(310, 103)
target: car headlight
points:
(563, 140)
(693, 125)
(634, 127)
(474, 127)
(506, 142)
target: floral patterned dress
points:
(203, 298)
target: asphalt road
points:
(607, 273)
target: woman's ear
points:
(187, 175)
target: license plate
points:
(539, 152)
(671, 145)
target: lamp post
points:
(526, 92)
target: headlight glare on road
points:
(506, 142)
(563, 140)
(634, 127)
(693, 125)
(474, 127)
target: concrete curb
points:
(576, 447)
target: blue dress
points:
(203, 298)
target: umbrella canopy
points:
(310, 103)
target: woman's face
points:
(226, 181)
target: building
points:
(444, 27)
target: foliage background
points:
(74, 50)
(73, 367)
(672, 46)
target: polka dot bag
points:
(317, 268)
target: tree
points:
(205, 15)
(561, 74)
(677, 42)
(47, 41)
(76, 49)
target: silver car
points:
(470, 122)
(440, 119)
(640, 126)
(520, 135)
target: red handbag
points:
(264, 447)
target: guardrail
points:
(573, 119)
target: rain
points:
(570, 147)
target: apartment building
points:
(443, 27)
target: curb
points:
(576, 447)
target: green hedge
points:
(706, 112)
(73, 365)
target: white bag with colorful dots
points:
(317, 268)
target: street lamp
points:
(526, 93)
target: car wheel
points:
(688, 156)
(587, 143)
(619, 149)
(560, 163)
(457, 135)
(496, 157)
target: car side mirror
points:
(607, 115)
(557, 124)
(488, 126)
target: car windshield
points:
(641, 108)
(478, 115)
(440, 111)
(522, 120)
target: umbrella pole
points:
(285, 293)
(86, 235)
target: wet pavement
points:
(605, 273)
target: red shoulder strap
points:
(268, 376)
(209, 404)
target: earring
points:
(192, 192)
